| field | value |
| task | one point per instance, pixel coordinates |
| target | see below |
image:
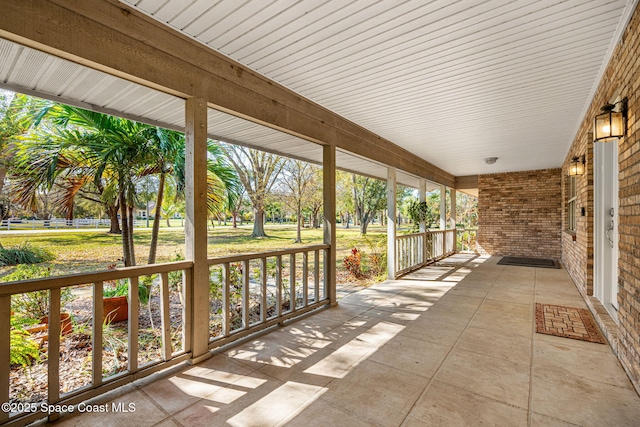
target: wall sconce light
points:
(611, 124)
(576, 166)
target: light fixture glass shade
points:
(576, 167)
(608, 126)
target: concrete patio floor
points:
(451, 344)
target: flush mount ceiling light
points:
(490, 160)
(576, 167)
(611, 123)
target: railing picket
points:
(278, 286)
(246, 321)
(316, 276)
(133, 324)
(5, 353)
(292, 282)
(263, 286)
(187, 285)
(305, 278)
(167, 348)
(53, 358)
(96, 336)
(226, 285)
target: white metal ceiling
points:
(35, 73)
(451, 81)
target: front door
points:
(606, 225)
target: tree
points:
(427, 211)
(297, 178)
(466, 210)
(344, 196)
(369, 196)
(13, 124)
(258, 172)
(315, 202)
(237, 208)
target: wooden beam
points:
(113, 38)
(467, 184)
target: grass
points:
(82, 251)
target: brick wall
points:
(520, 213)
(621, 78)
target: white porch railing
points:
(255, 291)
(127, 367)
(247, 293)
(415, 250)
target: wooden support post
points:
(443, 207)
(329, 192)
(391, 223)
(423, 226)
(196, 224)
(452, 210)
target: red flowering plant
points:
(353, 263)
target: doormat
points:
(529, 262)
(567, 322)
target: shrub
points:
(353, 263)
(376, 262)
(24, 349)
(120, 287)
(34, 305)
(23, 254)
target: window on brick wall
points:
(571, 203)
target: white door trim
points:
(605, 171)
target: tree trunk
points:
(3, 173)
(363, 227)
(234, 222)
(126, 254)
(299, 226)
(113, 218)
(153, 246)
(258, 223)
(132, 250)
(364, 223)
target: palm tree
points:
(223, 186)
(84, 152)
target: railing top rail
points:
(10, 288)
(404, 236)
(257, 255)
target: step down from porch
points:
(529, 262)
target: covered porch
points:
(453, 343)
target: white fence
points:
(59, 224)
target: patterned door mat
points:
(529, 262)
(567, 322)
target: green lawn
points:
(80, 251)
